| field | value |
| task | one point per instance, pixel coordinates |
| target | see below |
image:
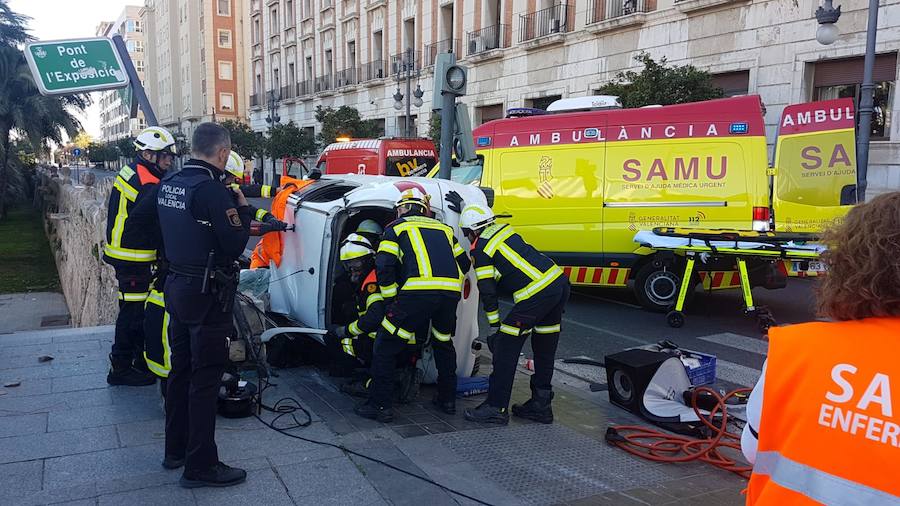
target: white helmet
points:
(355, 246)
(369, 227)
(413, 196)
(235, 165)
(155, 139)
(475, 217)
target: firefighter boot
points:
(537, 408)
(369, 410)
(486, 413)
(357, 388)
(123, 372)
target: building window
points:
(139, 65)
(843, 78)
(542, 102)
(139, 46)
(129, 26)
(225, 70)
(225, 38)
(138, 27)
(273, 21)
(288, 13)
(487, 113)
(733, 83)
(257, 35)
(226, 101)
(223, 7)
(130, 45)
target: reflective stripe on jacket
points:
(126, 242)
(828, 431)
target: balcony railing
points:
(305, 88)
(443, 46)
(288, 92)
(373, 70)
(402, 61)
(324, 83)
(545, 22)
(603, 10)
(254, 100)
(486, 39)
(346, 77)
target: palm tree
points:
(23, 109)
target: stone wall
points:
(76, 225)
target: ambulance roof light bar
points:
(594, 103)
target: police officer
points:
(205, 229)
(131, 250)
(505, 262)
(419, 268)
(357, 339)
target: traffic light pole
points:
(448, 117)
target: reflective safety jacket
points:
(370, 308)
(258, 191)
(504, 262)
(420, 254)
(125, 241)
(828, 432)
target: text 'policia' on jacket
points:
(500, 255)
(189, 202)
(124, 242)
(425, 240)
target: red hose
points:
(659, 446)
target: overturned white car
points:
(302, 288)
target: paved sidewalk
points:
(68, 438)
(32, 311)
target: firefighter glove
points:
(455, 201)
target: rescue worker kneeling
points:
(419, 268)
(357, 339)
(505, 262)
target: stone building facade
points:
(115, 105)
(306, 53)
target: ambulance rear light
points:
(761, 219)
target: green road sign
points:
(74, 66)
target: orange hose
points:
(659, 446)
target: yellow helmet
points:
(355, 246)
(235, 165)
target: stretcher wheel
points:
(675, 319)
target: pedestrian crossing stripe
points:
(720, 280)
(597, 276)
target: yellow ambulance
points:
(580, 184)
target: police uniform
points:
(131, 250)
(420, 267)
(197, 216)
(505, 263)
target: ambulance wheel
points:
(675, 319)
(656, 287)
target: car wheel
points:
(656, 286)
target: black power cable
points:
(288, 406)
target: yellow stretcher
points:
(741, 245)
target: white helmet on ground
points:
(155, 139)
(413, 196)
(475, 217)
(355, 246)
(235, 165)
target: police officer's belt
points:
(197, 271)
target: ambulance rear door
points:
(815, 165)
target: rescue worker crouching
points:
(205, 228)
(131, 250)
(357, 339)
(419, 269)
(504, 262)
(371, 230)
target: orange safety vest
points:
(828, 432)
(271, 245)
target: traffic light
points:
(448, 78)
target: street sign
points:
(74, 66)
(76, 151)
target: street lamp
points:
(273, 118)
(407, 70)
(826, 34)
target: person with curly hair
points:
(826, 431)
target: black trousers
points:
(410, 312)
(540, 317)
(134, 286)
(198, 337)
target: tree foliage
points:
(343, 122)
(23, 109)
(662, 84)
(288, 140)
(125, 146)
(244, 140)
(434, 130)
